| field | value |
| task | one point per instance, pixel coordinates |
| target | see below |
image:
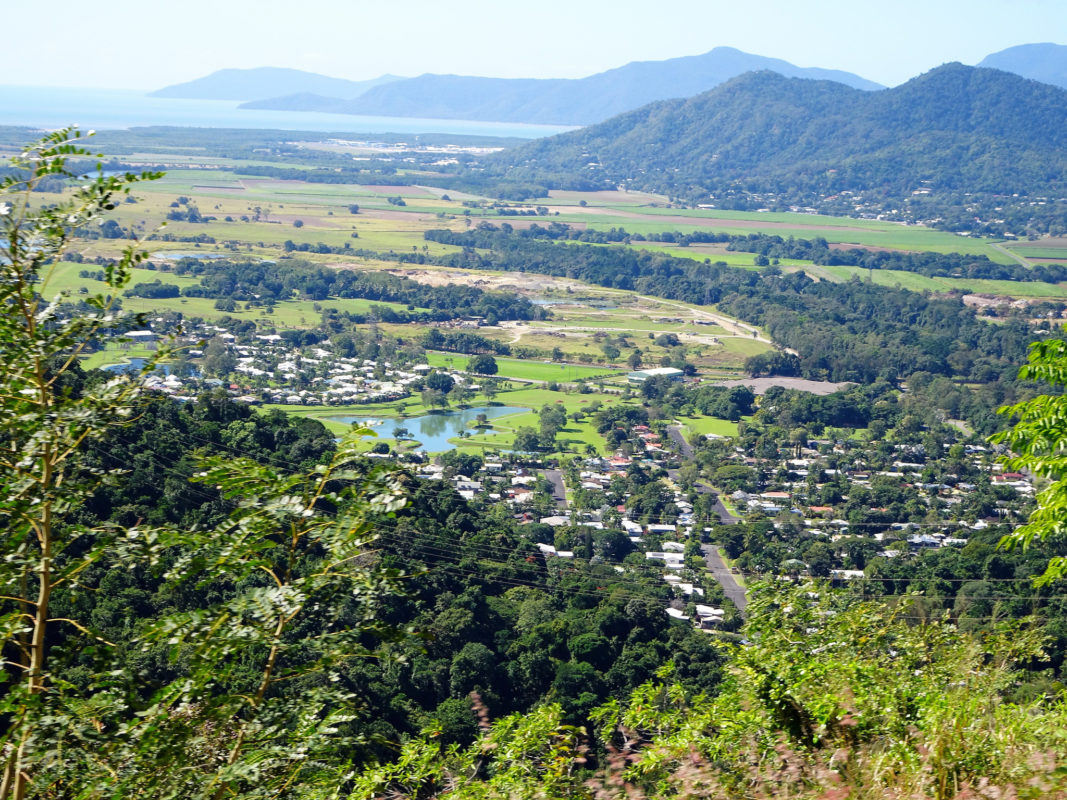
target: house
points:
(658, 372)
(555, 521)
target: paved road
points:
(686, 449)
(722, 574)
(559, 492)
(1011, 255)
(725, 517)
(675, 432)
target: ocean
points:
(109, 109)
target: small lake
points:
(433, 430)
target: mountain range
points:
(1041, 62)
(953, 128)
(549, 101)
(581, 101)
(575, 102)
(253, 84)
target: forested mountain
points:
(574, 102)
(1045, 62)
(953, 128)
(263, 82)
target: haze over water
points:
(108, 109)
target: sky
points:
(148, 44)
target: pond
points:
(432, 430)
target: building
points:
(658, 372)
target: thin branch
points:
(83, 629)
(18, 599)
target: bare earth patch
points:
(515, 282)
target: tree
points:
(440, 381)
(44, 429)
(219, 360)
(434, 398)
(635, 359)
(482, 365)
(1038, 443)
(293, 555)
(552, 418)
(527, 440)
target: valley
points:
(713, 449)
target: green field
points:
(524, 370)
(836, 230)
(704, 425)
(115, 353)
(1039, 252)
(919, 283)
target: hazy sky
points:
(146, 44)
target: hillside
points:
(266, 82)
(1040, 62)
(298, 101)
(568, 102)
(953, 128)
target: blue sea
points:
(104, 109)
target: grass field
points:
(836, 230)
(115, 353)
(705, 425)
(919, 283)
(1039, 252)
(525, 370)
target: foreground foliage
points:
(284, 588)
(1037, 442)
(832, 698)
